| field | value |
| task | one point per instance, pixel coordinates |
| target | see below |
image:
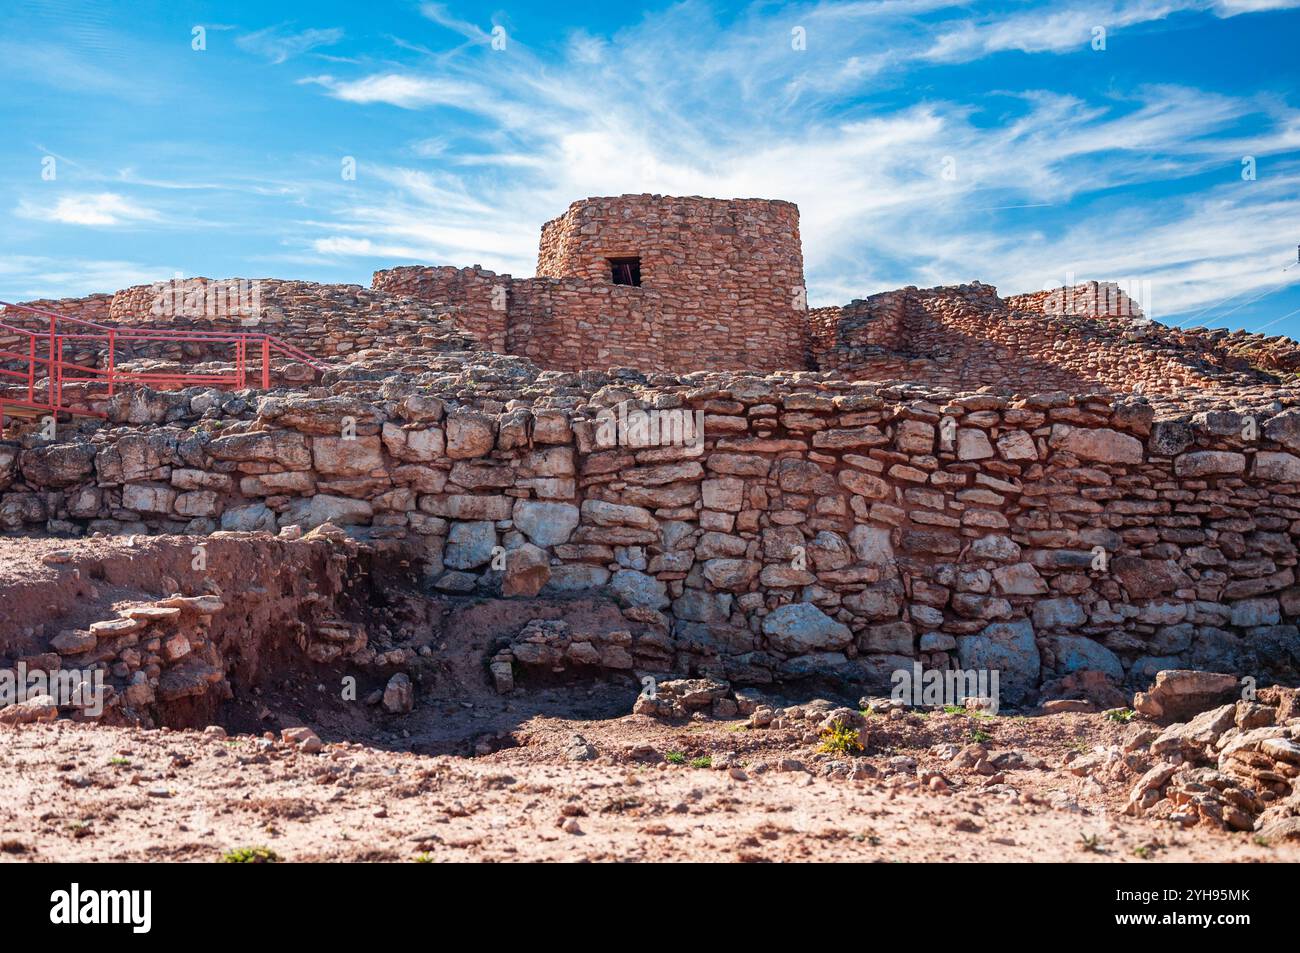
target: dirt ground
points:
(644, 793)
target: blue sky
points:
(925, 142)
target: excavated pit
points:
(257, 633)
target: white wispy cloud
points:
(396, 89)
(1072, 26)
(279, 45)
(100, 209)
(26, 277)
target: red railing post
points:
(112, 365)
(59, 390)
(266, 363)
(31, 370)
(50, 366)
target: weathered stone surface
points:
(1191, 738)
(470, 544)
(255, 517)
(285, 447)
(1285, 429)
(399, 695)
(546, 524)
(1080, 654)
(30, 711)
(973, 444)
(57, 465)
(1061, 613)
(914, 436)
(324, 416)
(469, 434)
(347, 456)
(323, 508)
(1209, 463)
(1009, 648)
(1147, 578)
(1101, 444)
(1180, 694)
(893, 637)
(638, 589)
(864, 484)
(463, 506)
(602, 513)
(413, 444)
(872, 545)
(575, 577)
(1019, 579)
(1017, 445)
(801, 627)
(527, 571)
(148, 497)
(1276, 467)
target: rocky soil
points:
(560, 774)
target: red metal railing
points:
(44, 349)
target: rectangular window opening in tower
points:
(625, 271)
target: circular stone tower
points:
(678, 284)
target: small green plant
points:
(702, 762)
(1142, 853)
(954, 710)
(1259, 840)
(980, 736)
(1090, 843)
(251, 855)
(423, 858)
(675, 757)
(1121, 715)
(118, 761)
(840, 739)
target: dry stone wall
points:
(821, 528)
(326, 321)
(966, 337)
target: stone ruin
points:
(750, 489)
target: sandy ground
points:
(83, 792)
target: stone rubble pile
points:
(1233, 766)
